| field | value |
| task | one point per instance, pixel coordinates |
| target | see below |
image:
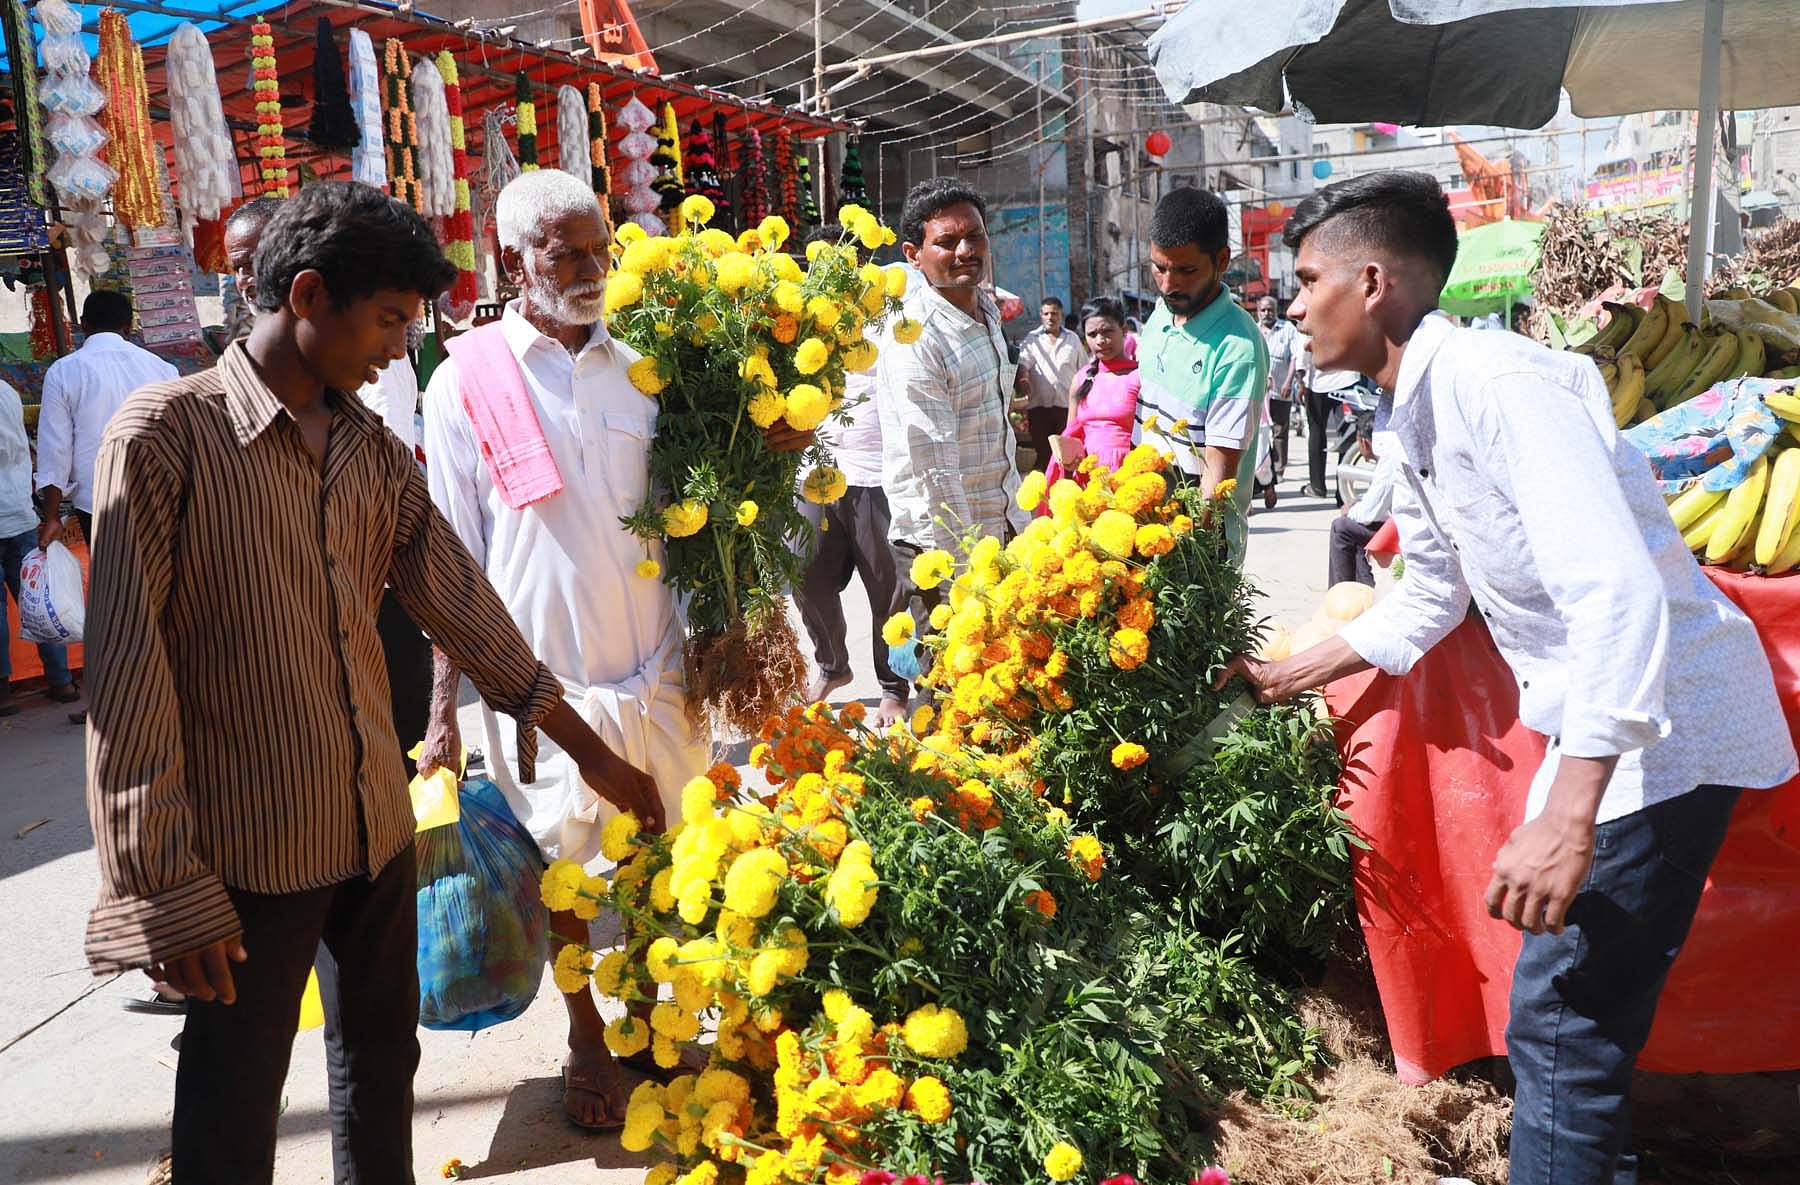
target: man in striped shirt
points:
(244, 784)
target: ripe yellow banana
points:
(1693, 504)
(1627, 390)
(1788, 558)
(1649, 332)
(1677, 317)
(1623, 321)
(1784, 299)
(1609, 374)
(1781, 509)
(1738, 519)
(1753, 356)
(1662, 381)
(1697, 535)
(1785, 404)
(1712, 368)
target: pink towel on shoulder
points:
(506, 425)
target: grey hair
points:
(532, 200)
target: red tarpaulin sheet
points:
(1436, 771)
(26, 665)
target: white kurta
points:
(566, 569)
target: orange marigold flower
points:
(786, 329)
(1041, 901)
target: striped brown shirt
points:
(239, 728)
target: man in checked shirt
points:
(244, 783)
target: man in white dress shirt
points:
(81, 393)
(1515, 492)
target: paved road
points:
(86, 1088)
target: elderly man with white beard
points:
(537, 445)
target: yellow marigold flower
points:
(609, 975)
(627, 1036)
(815, 249)
(697, 210)
(753, 881)
(1225, 489)
(853, 886)
(898, 629)
(697, 798)
(922, 808)
(662, 898)
(648, 568)
(694, 900)
(641, 1121)
(746, 513)
(643, 256)
(627, 234)
(773, 230)
(786, 269)
(824, 311)
(788, 298)
(623, 290)
(812, 355)
(1151, 424)
(940, 617)
(928, 1099)
(570, 969)
(861, 357)
(764, 973)
(704, 1173)
(1180, 525)
(560, 884)
(932, 568)
(662, 1174)
(1138, 614)
(894, 282)
(684, 518)
(824, 485)
(767, 406)
(645, 376)
(870, 232)
(921, 719)
(1128, 649)
(736, 271)
(935, 1032)
(587, 902)
(1154, 539)
(1129, 755)
(1031, 491)
(1062, 1162)
(669, 1020)
(1140, 492)
(807, 407)
(882, 1090)
(1088, 854)
(1114, 532)
(907, 331)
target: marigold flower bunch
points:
(739, 337)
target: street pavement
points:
(86, 1087)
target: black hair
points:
(1100, 306)
(251, 217)
(928, 198)
(1055, 300)
(106, 311)
(359, 240)
(1402, 213)
(1191, 215)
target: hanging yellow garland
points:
(459, 229)
(271, 135)
(528, 125)
(130, 149)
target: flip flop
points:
(594, 1085)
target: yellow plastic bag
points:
(434, 798)
(312, 1008)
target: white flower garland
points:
(204, 157)
(431, 119)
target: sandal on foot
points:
(603, 1083)
(644, 1062)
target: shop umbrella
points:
(1493, 268)
(1502, 62)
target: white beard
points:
(583, 307)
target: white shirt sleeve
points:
(1431, 599)
(56, 433)
(1544, 446)
(452, 462)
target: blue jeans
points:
(1583, 1000)
(56, 658)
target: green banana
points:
(1782, 510)
(1754, 356)
(1693, 504)
(1678, 316)
(1617, 330)
(1785, 299)
(1662, 381)
(1628, 389)
(1712, 368)
(1786, 372)
(1649, 332)
(1645, 411)
(1737, 521)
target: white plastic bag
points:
(52, 608)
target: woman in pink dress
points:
(1103, 404)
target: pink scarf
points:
(506, 425)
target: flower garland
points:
(808, 212)
(434, 151)
(528, 125)
(572, 151)
(204, 158)
(670, 183)
(271, 138)
(596, 129)
(788, 207)
(753, 196)
(135, 198)
(402, 131)
(459, 229)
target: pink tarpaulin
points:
(1436, 771)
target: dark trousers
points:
(1044, 423)
(1280, 413)
(1318, 418)
(1348, 559)
(234, 1058)
(408, 654)
(850, 535)
(1583, 1000)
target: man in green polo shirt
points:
(1202, 362)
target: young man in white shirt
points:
(1515, 492)
(1048, 361)
(18, 535)
(81, 393)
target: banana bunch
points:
(1753, 524)
(1653, 359)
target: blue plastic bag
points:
(483, 929)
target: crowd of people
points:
(269, 560)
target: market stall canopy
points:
(1500, 62)
(1493, 268)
